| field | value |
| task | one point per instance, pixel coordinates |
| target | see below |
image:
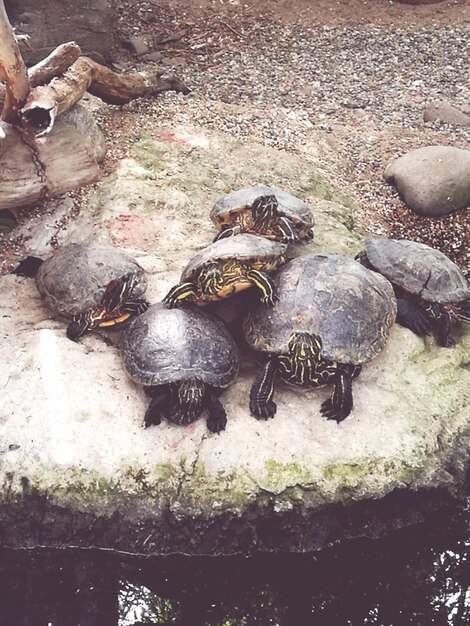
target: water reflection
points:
(415, 577)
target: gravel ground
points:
(276, 74)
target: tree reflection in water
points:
(414, 577)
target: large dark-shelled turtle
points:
(432, 292)
(184, 358)
(332, 316)
(265, 211)
(227, 266)
(93, 285)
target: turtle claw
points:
(152, 418)
(217, 423)
(333, 412)
(448, 342)
(263, 410)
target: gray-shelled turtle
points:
(93, 285)
(184, 358)
(228, 266)
(431, 290)
(332, 316)
(261, 210)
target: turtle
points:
(262, 210)
(333, 315)
(184, 358)
(431, 290)
(93, 285)
(227, 266)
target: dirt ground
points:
(334, 13)
(272, 70)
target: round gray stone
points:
(432, 180)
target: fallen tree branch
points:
(46, 102)
(54, 65)
(12, 70)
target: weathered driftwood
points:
(12, 70)
(54, 65)
(45, 102)
(41, 155)
(32, 169)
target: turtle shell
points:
(351, 308)
(74, 279)
(244, 247)
(418, 269)
(236, 201)
(168, 345)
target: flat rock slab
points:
(433, 180)
(78, 468)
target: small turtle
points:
(332, 316)
(184, 358)
(431, 290)
(227, 266)
(265, 211)
(94, 285)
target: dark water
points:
(417, 577)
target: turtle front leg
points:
(217, 417)
(444, 338)
(135, 306)
(262, 406)
(180, 294)
(158, 406)
(462, 311)
(411, 316)
(264, 285)
(288, 231)
(339, 406)
(79, 324)
(228, 232)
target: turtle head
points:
(189, 400)
(117, 292)
(109, 311)
(304, 348)
(264, 209)
(211, 278)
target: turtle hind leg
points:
(28, 267)
(340, 404)
(217, 417)
(265, 286)
(158, 407)
(411, 316)
(262, 405)
(180, 294)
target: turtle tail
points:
(462, 311)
